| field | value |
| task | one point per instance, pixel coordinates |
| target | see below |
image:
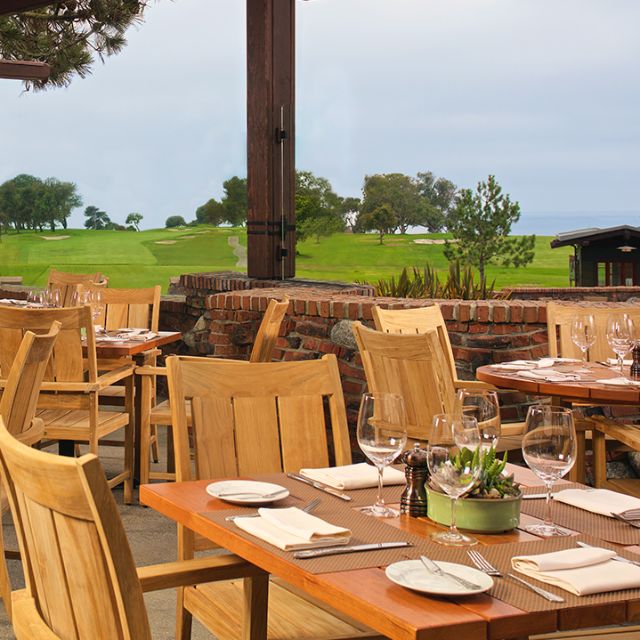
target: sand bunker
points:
(165, 241)
(186, 237)
(430, 241)
(55, 237)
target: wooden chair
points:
(413, 366)
(69, 403)
(68, 283)
(253, 418)
(559, 319)
(81, 582)
(17, 410)
(153, 414)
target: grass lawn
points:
(151, 257)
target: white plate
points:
(412, 574)
(248, 491)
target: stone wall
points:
(592, 294)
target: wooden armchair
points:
(252, 418)
(69, 402)
(559, 319)
(68, 283)
(17, 410)
(153, 414)
(80, 577)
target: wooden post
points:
(270, 138)
(24, 70)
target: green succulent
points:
(493, 483)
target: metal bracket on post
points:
(281, 135)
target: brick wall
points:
(600, 294)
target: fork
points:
(308, 508)
(630, 521)
(630, 514)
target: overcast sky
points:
(545, 94)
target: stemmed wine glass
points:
(620, 336)
(549, 449)
(83, 297)
(483, 405)
(583, 333)
(451, 434)
(382, 435)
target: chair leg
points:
(256, 605)
(128, 441)
(184, 619)
(599, 458)
(577, 473)
(145, 428)
(154, 443)
(5, 582)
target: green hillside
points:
(151, 257)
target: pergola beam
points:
(24, 70)
(8, 7)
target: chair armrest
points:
(26, 619)
(151, 371)
(473, 384)
(107, 379)
(195, 571)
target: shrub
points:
(175, 221)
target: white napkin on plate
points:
(613, 361)
(549, 375)
(619, 382)
(601, 501)
(354, 476)
(580, 571)
(517, 365)
(138, 337)
(291, 529)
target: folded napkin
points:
(354, 476)
(626, 363)
(138, 337)
(13, 301)
(517, 365)
(291, 529)
(619, 382)
(601, 501)
(549, 375)
(580, 571)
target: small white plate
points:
(412, 574)
(247, 491)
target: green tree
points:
(58, 200)
(235, 201)
(18, 200)
(96, 219)
(211, 212)
(317, 207)
(440, 193)
(135, 219)
(349, 209)
(383, 220)
(175, 221)
(399, 193)
(480, 224)
(67, 35)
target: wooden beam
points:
(24, 70)
(16, 6)
(270, 138)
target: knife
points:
(584, 545)
(432, 567)
(330, 551)
(535, 496)
(319, 485)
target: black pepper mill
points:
(635, 366)
(414, 498)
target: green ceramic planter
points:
(474, 514)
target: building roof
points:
(584, 237)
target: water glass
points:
(483, 405)
(450, 434)
(620, 336)
(583, 333)
(549, 449)
(382, 435)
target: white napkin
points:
(291, 529)
(580, 571)
(601, 501)
(138, 337)
(619, 382)
(517, 365)
(354, 476)
(13, 301)
(549, 375)
(626, 363)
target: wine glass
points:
(620, 336)
(583, 333)
(483, 405)
(549, 449)
(450, 435)
(51, 297)
(34, 298)
(382, 434)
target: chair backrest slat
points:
(130, 308)
(68, 283)
(267, 335)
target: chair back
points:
(129, 308)
(80, 578)
(559, 319)
(251, 418)
(68, 283)
(412, 366)
(20, 395)
(413, 321)
(268, 331)
(67, 363)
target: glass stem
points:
(547, 511)
(621, 362)
(379, 499)
(453, 530)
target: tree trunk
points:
(381, 236)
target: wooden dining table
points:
(368, 596)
